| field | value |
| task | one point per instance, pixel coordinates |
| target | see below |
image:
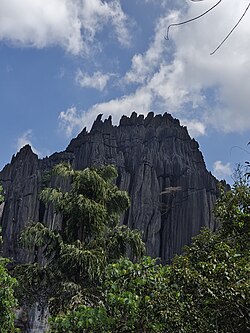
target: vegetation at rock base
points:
(92, 286)
(75, 256)
(7, 299)
(1, 195)
(204, 290)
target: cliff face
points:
(172, 193)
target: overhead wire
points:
(203, 14)
(192, 19)
(232, 30)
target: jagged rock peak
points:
(98, 123)
(151, 153)
(25, 153)
(150, 123)
(159, 165)
(150, 119)
(135, 119)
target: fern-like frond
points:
(108, 173)
(63, 169)
(117, 202)
(90, 263)
(38, 235)
(89, 183)
(122, 241)
(52, 195)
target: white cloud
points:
(69, 120)
(195, 127)
(163, 3)
(71, 24)
(216, 87)
(220, 84)
(25, 139)
(144, 65)
(97, 81)
(73, 120)
(180, 76)
(221, 170)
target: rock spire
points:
(161, 167)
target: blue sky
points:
(62, 62)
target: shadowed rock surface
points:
(172, 193)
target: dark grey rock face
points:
(172, 193)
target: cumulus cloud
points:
(216, 87)
(72, 120)
(96, 81)
(68, 23)
(180, 76)
(219, 83)
(221, 170)
(195, 127)
(25, 139)
(163, 3)
(144, 65)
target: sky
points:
(63, 62)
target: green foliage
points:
(212, 279)
(233, 211)
(7, 300)
(204, 290)
(133, 291)
(131, 294)
(1, 194)
(84, 319)
(77, 254)
(1, 201)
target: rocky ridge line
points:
(172, 193)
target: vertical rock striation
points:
(172, 193)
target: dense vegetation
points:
(76, 255)
(7, 299)
(204, 290)
(91, 285)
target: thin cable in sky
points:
(229, 34)
(192, 19)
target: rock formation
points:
(172, 193)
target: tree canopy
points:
(1, 195)
(76, 254)
(7, 300)
(206, 289)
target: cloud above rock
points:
(25, 139)
(180, 76)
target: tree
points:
(7, 300)
(212, 276)
(1, 195)
(206, 289)
(132, 301)
(76, 255)
(212, 281)
(1, 201)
